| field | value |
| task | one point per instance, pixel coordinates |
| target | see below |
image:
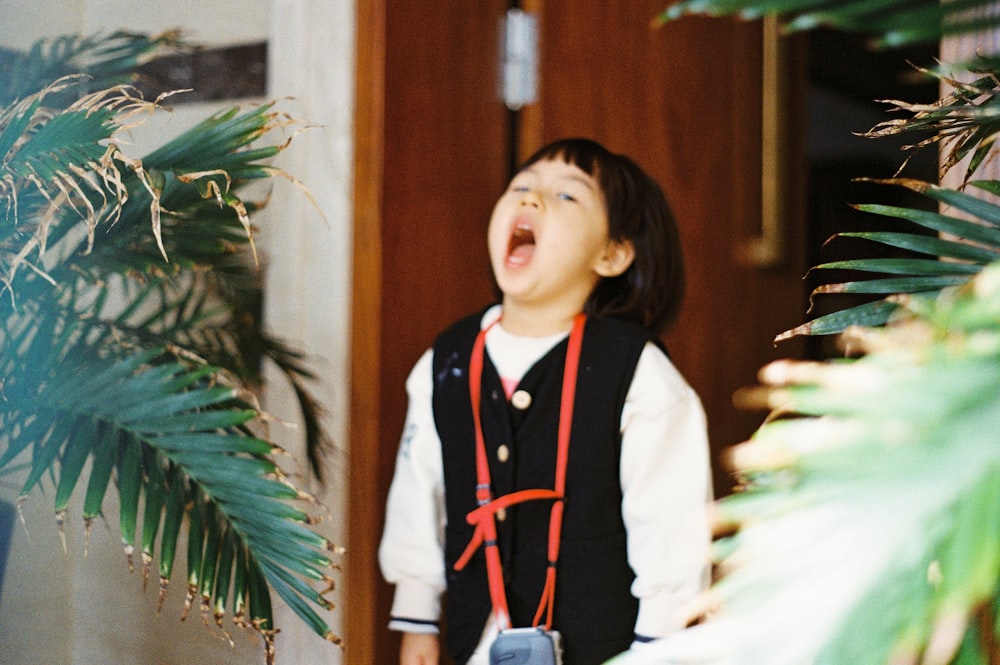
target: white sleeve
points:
(411, 553)
(666, 485)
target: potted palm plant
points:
(866, 529)
(131, 349)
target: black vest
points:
(594, 608)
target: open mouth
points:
(522, 245)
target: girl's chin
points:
(511, 287)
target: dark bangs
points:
(651, 290)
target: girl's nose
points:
(530, 198)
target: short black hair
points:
(650, 292)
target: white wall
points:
(209, 22)
(311, 60)
(73, 609)
(24, 21)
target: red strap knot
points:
(482, 517)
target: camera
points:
(526, 646)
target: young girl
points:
(580, 510)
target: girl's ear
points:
(616, 259)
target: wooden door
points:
(432, 153)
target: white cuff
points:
(659, 616)
(405, 626)
(417, 602)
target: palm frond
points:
(963, 124)
(890, 23)
(196, 219)
(866, 527)
(968, 247)
(106, 60)
(131, 342)
(179, 444)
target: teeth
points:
(522, 244)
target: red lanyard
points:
(484, 517)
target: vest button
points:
(501, 514)
(521, 399)
(503, 453)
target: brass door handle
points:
(768, 249)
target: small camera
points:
(526, 646)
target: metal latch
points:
(519, 59)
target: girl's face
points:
(548, 237)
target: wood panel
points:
(684, 101)
(361, 584)
(431, 157)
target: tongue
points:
(521, 254)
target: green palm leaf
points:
(108, 60)
(889, 22)
(206, 460)
(911, 284)
(930, 245)
(869, 315)
(922, 267)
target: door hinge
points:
(518, 59)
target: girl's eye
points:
(566, 197)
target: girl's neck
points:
(536, 321)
